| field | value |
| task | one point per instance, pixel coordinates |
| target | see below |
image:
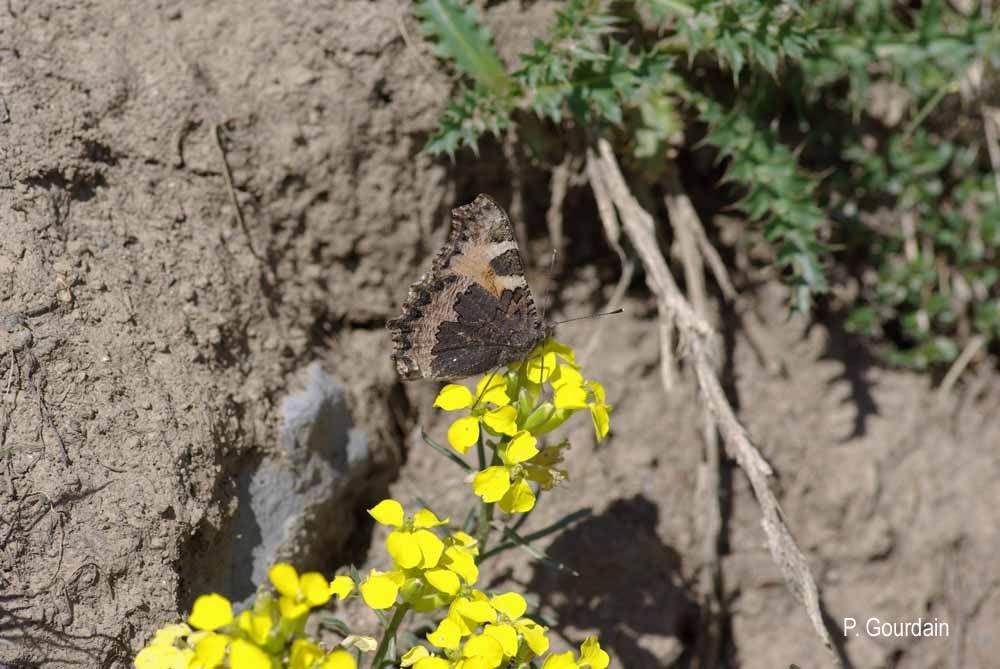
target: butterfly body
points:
(473, 311)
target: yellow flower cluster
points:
(428, 572)
(266, 636)
(511, 410)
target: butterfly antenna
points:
(619, 310)
(486, 388)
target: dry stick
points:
(606, 209)
(553, 217)
(510, 147)
(217, 131)
(991, 121)
(684, 221)
(696, 337)
(968, 353)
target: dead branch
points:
(685, 223)
(217, 132)
(612, 230)
(696, 339)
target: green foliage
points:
(851, 131)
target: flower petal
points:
(534, 635)
(453, 397)
(285, 579)
(315, 588)
(210, 612)
(570, 397)
(520, 498)
(257, 626)
(411, 656)
(430, 548)
(561, 661)
(388, 512)
(491, 483)
(496, 390)
(463, 433)
(341, 586)
(502, 420)
(479, 611)
(481, 645)
(462, 563)
(592, 655)
(211, 649)
(506, 635)
(447, 635)
(539, 368)
(425, 518)
(599, 417)
(432, 662)
(510, 604)
(444, 580)
(404, 549)
(520, 449)
(291, 608)
(379, 590)
(339, 659)
(245, 655)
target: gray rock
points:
(298, 506)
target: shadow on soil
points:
(629, 587)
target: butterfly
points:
(473, 311)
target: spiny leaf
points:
(461, 38)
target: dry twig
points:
(696, 339)
(217, 132)
(686, 224)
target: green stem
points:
(483, 526)
(390, 633)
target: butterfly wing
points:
(473, 311)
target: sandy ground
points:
(148, 337)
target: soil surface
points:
(153, 317)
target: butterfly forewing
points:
(473, 311)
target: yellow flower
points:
(298, 594)
(339, 659)
(591, 654)
(447, 635)
(432, 662)
(561, 661)
(464, 432)
(485, 647)
(599, 410)
(304, 654)
(257, 626)
(161, 656)
(245, 655)
(411, 544)
(511, 606)
(504, 483)
(341, 586)
(380, 589)
(210, 650)
(413, 655)
(210, 612)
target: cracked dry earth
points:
(148, 339)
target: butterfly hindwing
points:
(473, 311)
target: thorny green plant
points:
(851, 135)
(435, 565)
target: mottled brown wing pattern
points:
(473, 311)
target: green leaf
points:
(461, 38)
(446, 452)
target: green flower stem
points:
(483, 528)
(390, 633)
